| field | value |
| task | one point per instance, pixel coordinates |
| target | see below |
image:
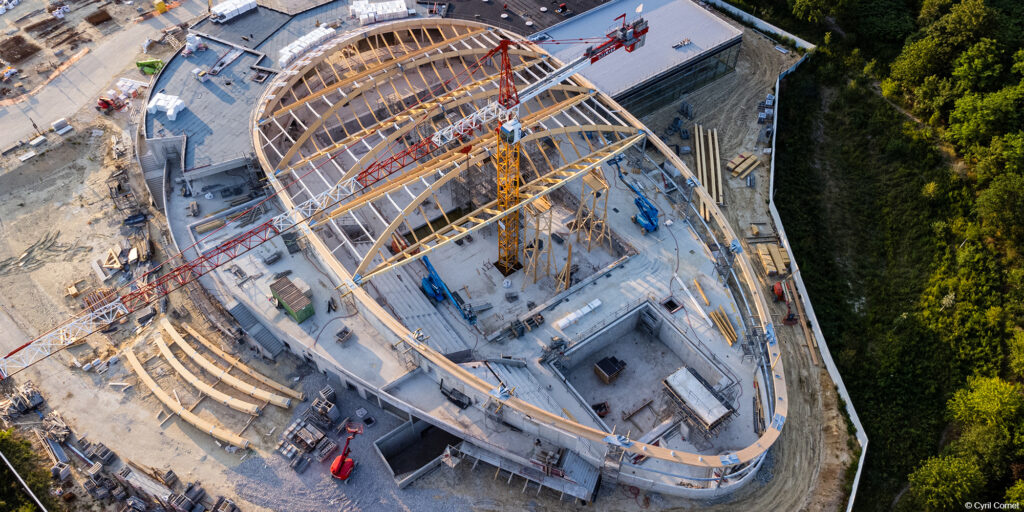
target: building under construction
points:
(515, 260)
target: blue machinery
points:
(647, 215)
(434, 287)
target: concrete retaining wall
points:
(826, 355)
(760, 24)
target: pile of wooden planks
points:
(742, 164)
(773, 258)
(709, 166)
(724, 324)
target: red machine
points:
(108, 105)
(781, 293)
(344, 465)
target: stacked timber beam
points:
(209, 427)
(709, 166)
(724, 324)
(775, 260)
(742, 164)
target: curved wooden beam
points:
(489, 214)
(371, 70)
(370, 83)
(476, 156)
(398, 180)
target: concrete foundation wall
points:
(684, 348)
(586, 348)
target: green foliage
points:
(1015, 494)
(1016, 350)
(978, 118)
(980, 67)
(1001, 208)
(910, 232)
(26, 462)
(945, 483)
(988, 401)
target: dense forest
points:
(900, 179)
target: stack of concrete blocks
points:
(289, 53)
(172, 105)
(369, 13)
(225, 11)
(130, 87)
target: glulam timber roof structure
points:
(373, 92)
(353, 107)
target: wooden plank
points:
(780, 266)
(748, 170)
(701, 290)
(748, 163)
(203, 425)
(736, 161)
(717, 162)
(808, 335)
(234, 362)
(766, 260)
(728, 323)
(699, 160)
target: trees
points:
(944, 483)
(23, 457)
(1001, 208)
(980, 67)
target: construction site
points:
(363, 255)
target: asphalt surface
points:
(81, 83)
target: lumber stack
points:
(773, 258)
(724, 325)
(742, 164)
(709, 166)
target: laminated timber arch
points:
(488, 214)
(390, 71)
(600, 110)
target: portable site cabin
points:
(294, 300)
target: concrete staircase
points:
(153, 172)
(416, 311)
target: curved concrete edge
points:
(218, 432)
(242, 367)
(221, 373)
(531, 413)
(191, 378)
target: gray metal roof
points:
(256, 330)
(670, 22)
(302, 24)
(216, 116)
(248, 30)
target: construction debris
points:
(26, 398)
(46, 250)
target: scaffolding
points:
(591, 224)
(539, 218)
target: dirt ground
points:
(60, 41)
